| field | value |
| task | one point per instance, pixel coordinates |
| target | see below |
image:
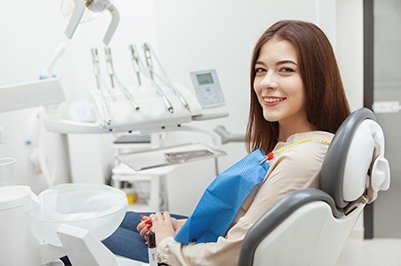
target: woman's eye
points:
(287, 70)
(259, 70)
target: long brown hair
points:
(326, 102)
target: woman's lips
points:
(271, 101)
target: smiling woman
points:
(297, 103)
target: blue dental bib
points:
(222, 199)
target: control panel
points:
(207, 88)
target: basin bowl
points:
(94, 207)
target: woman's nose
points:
(269, 81)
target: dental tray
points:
(166, 156)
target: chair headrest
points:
(354, 165)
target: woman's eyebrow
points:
(287, 61)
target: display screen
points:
(204, 78)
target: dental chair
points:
(311, 226)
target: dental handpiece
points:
(135, 64)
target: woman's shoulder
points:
(306, 146)
(321, 136)
(299, 160)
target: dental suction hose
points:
(46, 73)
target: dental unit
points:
(72, 219)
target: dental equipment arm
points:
(227, 137)
(115, 20)
(46, 73)
(75, 18)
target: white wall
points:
(350, 48)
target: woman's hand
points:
(162, 225)
(144, 226)
(147, 221)
(177, 224)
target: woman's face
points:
(278, 84)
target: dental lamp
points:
(80, 7)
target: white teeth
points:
(272, 100)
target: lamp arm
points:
(75, 18)
(115, 20)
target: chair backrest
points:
(310, 226)
(355, 161)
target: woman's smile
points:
(273, 101)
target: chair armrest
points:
(276, 215)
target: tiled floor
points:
(375, 252)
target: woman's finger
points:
(167, 217)
(145, 221)
(159, 216)
(144, 231)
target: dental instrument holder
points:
(165, 106)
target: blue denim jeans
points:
(126, 240)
